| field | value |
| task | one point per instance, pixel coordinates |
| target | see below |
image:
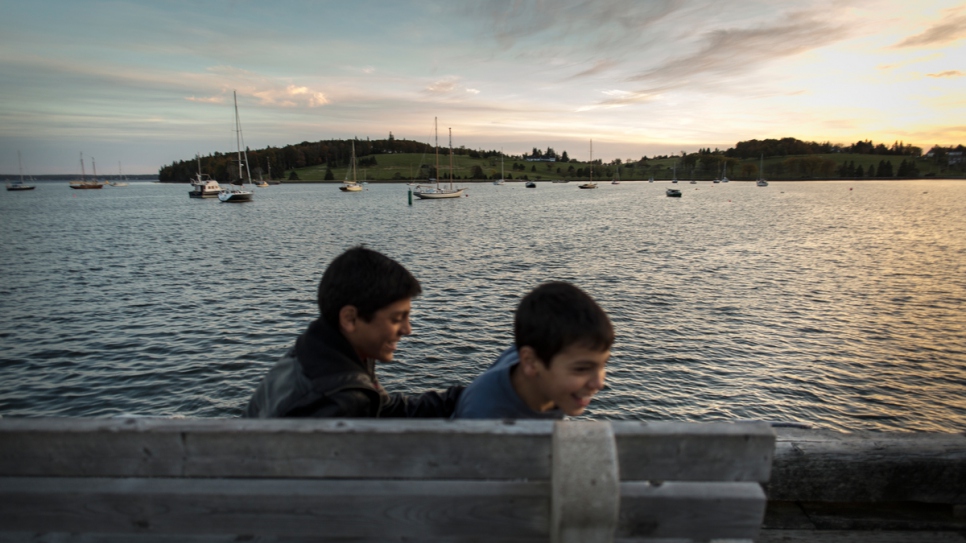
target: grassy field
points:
(406, 167)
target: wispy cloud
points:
(449, 87)
(727, 52)
(950, 29)
(206, 99)
(599, 67)
(948, 73)
(291, 96)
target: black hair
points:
(555, 316)
(366, 279)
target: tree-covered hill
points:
(391, 159)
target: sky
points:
(136, 85)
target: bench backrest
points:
(375, 479)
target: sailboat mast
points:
(436, 135)
(20, 165)
(94, 167)
(240, 142)
(83, 173)
(591, 161)
(451, 158)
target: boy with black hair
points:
(364, 302)
(562, 342)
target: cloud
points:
(948, 73)
(721, 55)
(599, 67)
(740, 50)
(952, 28)
(450, 86)
(206, 99)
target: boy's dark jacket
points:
(321, 376)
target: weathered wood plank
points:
(420, 449)
(403, 449)
(668, 451)
(700, 511)
(65, 537)
(88, 447)
(364, 509)
(857, 536)
(823, 465)
(279, 507)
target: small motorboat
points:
(673, 193)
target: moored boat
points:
(437, 192)
(19, 185)
(84, 183)
(203, 186)
(233, 193)
(351, 186)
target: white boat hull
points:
(235, 196)
(437, 195)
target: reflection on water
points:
(803, 302)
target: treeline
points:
(273, 162)
(792, 146)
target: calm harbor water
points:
(837, 304)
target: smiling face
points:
(377, 338)
(574, 375)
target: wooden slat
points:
(280, 507)
(824, 465)
(88, 447)
(700, 511)
(400, 449)
(66, 537)
(670, 451)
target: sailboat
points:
(501, 180)
(724, 173)
(761, 173)
(617, 176)
(436, 193)
(19, 185)
(674, 177)
(351, 186)
(121, 180)
(230, 193)
(84, 183)
(591, 184)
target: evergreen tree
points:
(293, 176)
(564, 157)
(859, 172)
(871, 170)
(328, 174)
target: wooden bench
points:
(142, 479)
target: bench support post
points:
(585, 483)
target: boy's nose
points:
(406, 329)
(597, 382)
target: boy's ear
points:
(529, 361)
(347, 318)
